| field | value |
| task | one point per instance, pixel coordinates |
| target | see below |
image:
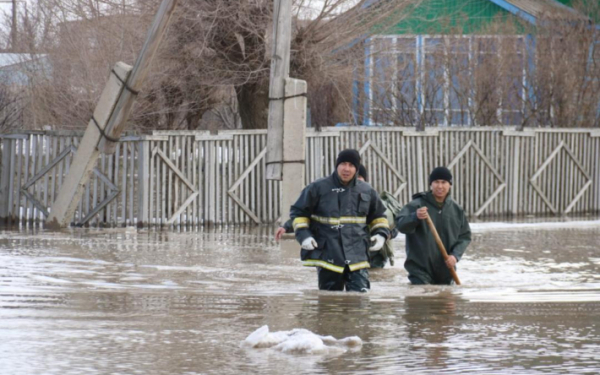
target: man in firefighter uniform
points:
(337, 220)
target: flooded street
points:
(127, 301)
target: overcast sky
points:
(6, 9)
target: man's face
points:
(440, 189)
(346, 171)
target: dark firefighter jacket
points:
(423, 257)
(393, 207)
(341, 219)
(288, 226)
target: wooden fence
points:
(195, 178)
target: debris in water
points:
(300, 341)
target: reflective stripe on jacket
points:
(342, 219)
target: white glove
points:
(379, 241)
(309, 244)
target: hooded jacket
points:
(342, 219)
(423, 257)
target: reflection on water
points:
(152, 302)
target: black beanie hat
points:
(349, 155)
(440, 173)
(362, 171)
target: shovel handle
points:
(442, 248)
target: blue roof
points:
(533, 10)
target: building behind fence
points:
(483, 62)
(195, 178)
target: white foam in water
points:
(299, 341)
(514, 250)
(499, 226)
(487, 227)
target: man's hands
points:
(279, 233)
(422, 213)
(379, 242)
(451, 262)
(309, 244)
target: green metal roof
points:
(477, 16)
(590, 8)
(453, 17)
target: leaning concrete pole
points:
(109, 120)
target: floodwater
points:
(127, 301)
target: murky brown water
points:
(121, 301)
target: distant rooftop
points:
(533, 10)
(9, 59)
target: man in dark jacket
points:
(424, 262)
(336, 219)
(288, 227)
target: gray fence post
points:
(515, 177)
(5, 161)
(143, 181)
(595, 203)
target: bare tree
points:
(566, 82)
(11, 109)
(215, 60)
(213, 49)
(508, 74)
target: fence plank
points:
(131, 186)
(144, 182)
(5, 174)
(18, 203)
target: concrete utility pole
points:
(294, 128)
(280, 70)
(109, 120)
(287, 114)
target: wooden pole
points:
(110, 117)
(442, 248)
(280, 66)
(118, 119)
